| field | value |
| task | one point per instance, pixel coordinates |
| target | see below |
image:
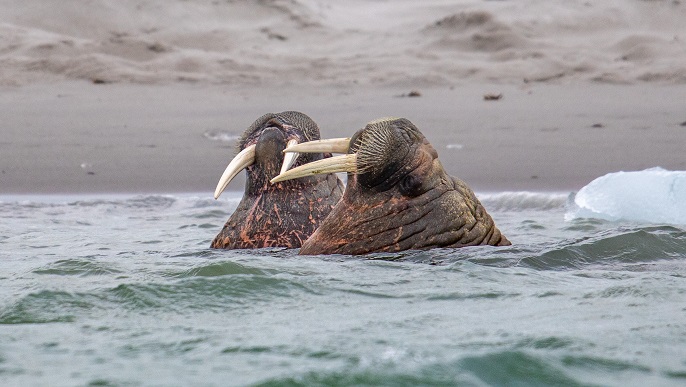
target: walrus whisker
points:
(242, 160)
(332, 145)
(290, 157)
(373, 146)
(342, 163)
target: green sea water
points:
(124, 291)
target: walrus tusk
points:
(242, 160)
(290, 157)
(332, 145)
(343, 163)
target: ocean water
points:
(122, 290)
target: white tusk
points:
(242, 160)
(332, 145)
(343, 163)
(290, 157)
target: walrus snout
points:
(269, 150)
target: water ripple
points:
(499, 368)
(215, 269)
(84, 266)
(202, 293)
(48, 306)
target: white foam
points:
(653, 195)
(523, 201)
(220, 135)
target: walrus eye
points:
(411, 185)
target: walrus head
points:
(398, 196)
(283, 214)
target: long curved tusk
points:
(343, 163)
(332, 145)
(290, 157)
(242, 160)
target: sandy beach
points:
(133, 96)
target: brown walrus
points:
(283, 214)
(398, 196)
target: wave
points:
(48, 306)
(132, 201)
(616, 248)
(592, 201)
(221, 136)
(613, 248)
(84, 266)
(506, 367)
(206, 289)
(523, 200)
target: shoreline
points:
(230, 195)
(78, 137)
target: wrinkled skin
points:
(283, 214)
(402, 199)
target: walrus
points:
(283, 214)
(398, 196)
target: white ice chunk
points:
(654, 195)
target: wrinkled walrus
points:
(283, 214)
(398, 195)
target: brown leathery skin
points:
(402, 200)
(283, 214)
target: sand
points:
(149, 96)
